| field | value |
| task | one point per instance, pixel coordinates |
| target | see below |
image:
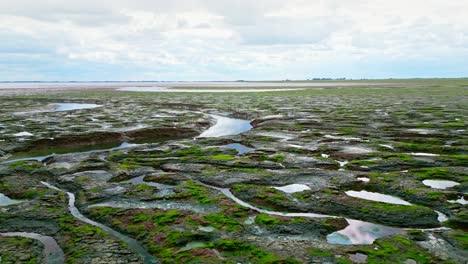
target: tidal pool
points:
(226, 126)
(5, 200)
(422, 131)
(440, 184)
(23, 134)
(293, 188)
(356, 150)
(72, 106)
(53, 254)
(192, 245)
(460, 200)
(343, 138)
(441, 217)
(424, 154)
(241, 149)
(359, 232)
(378, 197)
(282, 136)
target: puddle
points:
(441, 217)
(440, 184)
(132, 243)
(363, 179)
(293, 188)
(250, 220)
(342, 163)
(460, 200)
(226, 126)
(387, 146)
(192, 245)
(23, 134)
(282, 136)
(422, 131)
(241, 149)
(377, 197)
(424, 154)
(343, 138)
(295, 146)
(72, 106)
(358, 258)
(53, 254)
(359, 232)
(195, 90)
(4, 200)
(357, 150)
(208, 229)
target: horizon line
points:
(285, 80)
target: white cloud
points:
(221, 39)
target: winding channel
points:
(132, 243)
(357, 232)
(53, 254)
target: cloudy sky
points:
(231, 40)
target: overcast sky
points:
(231, 40)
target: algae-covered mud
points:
(287, 172)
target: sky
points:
(201, 40)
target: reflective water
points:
(132, 243)
(293, 188)
(282, 136)
(241, 149)
(363, 179)
(206, 228)
(5, 200)
(359, 232)
(356, 150)
(460, 200)
(23, 134)
(226, 126)
(192, 245)
(424, 154)
(440, 184)
(378, 197)
(343, 138)
(53, 254)
(72, 106)
(422, 131)
(441, 217)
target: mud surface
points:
(362, 173)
